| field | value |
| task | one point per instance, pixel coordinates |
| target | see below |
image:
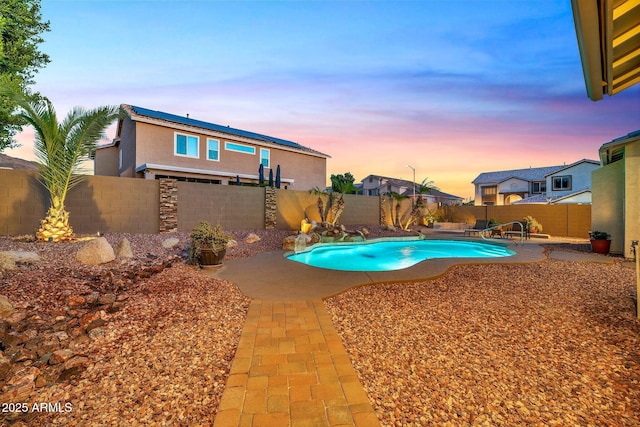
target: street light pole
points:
(413, 201)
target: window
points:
(488, 191)
(264, 157)
(213, 150)
(539, 187)
(562, 182)
(240, 148)
(186, 145)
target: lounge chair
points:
(515, 231)
(480, 225)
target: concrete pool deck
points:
(271, 276)
(290, 368)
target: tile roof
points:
(530, 174)
(172, 118)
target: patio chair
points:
(516, 228)
(480, 225)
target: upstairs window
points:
(264, 157)
(240, 148)
(489, 190)
(562, 182)
(539, 187)
(213, 150)
(186, 145)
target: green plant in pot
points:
(600, 242)
(207, 244)
(532, 224)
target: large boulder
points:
(7, 261)
(6, 308)
(97, 251)
(289, 243)
(170, 242)
(124, 249)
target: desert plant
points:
(340, 185)
(60, 149)
(205, 236)
(532, 224)
(599, 235)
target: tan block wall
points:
(116, 205)
(294, 206)
(235, 208)
(99, 203)
(23, 202)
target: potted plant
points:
(532, 224)
(207, 244)
(600, 242)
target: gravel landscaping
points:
(149, 340)
(550, 343)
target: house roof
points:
(612, 150)
(593, 162)
(409, 185)
(542, 198)
(530, 174)
(136, 113)
(608, 33)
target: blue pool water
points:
(394, 255)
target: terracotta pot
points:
(600, 246)
(208, 257)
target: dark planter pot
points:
(600, 246)
(208, 257)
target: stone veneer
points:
(270, 207)
(168, 205)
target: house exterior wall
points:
(608, 187)
(106, 161)
(580, 179)
(156, 145)
(514, 185)
(632, 196)
(128, 147)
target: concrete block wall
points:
(233, 207)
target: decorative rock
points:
(97, 251)
(289, 243)
(107, 299)
(5, 368)
(60, 356)
(252, 238)
(390, 228)
(76, 362)
(7, 261)
(301, 243)
(6, 308)
(91, 321)
(355, 239)
(170, 242)
(315, 238)
(19, 389)
(232, 244)
(24, 256)
(76, 300)
(124, 249)
(365, 232)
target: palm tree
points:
(60, 148)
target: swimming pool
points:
(394, 255)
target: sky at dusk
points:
(453, 88)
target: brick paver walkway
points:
(291, 369)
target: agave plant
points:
(60, 148)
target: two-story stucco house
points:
(550, 184)
(153, 144)
(375, 185)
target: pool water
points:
(394, 255)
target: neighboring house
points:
(152, 144)
(375, 185)
(550, 184)
(616, 193)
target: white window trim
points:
(226, 147)
(218, 141)
(268, 157)
(175, 145)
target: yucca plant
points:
(60, 148)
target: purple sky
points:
(453, 88)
